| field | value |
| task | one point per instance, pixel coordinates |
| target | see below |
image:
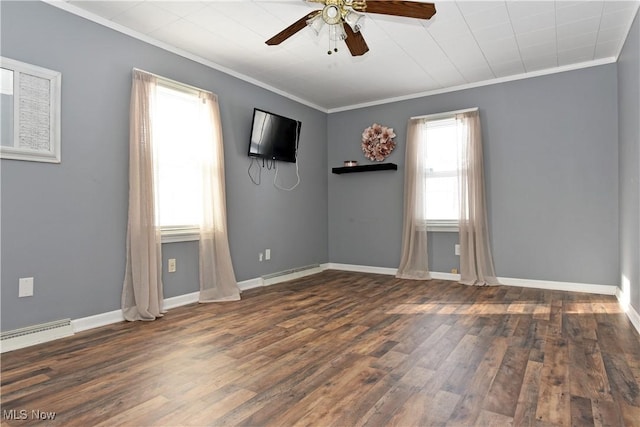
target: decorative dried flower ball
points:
(377, 142)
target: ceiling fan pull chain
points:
(335, 46)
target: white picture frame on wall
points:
(29, 112)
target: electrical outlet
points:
(260, 256)
(25, 287)
(171, 267)
(454, 271)
(457, 249)
(267, 254)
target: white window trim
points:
(13, 151)
(443, 225)
(180, 234)
(438, 225)
(445, 115)
(183, 233)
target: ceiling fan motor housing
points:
(331, 13)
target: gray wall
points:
(65, 224)
(551, 159)
(629, 111)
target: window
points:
(30, 107)
(440, 173)
(179, 129)
(444, 191)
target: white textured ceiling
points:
(465, 43)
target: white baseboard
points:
(444, 276)
(507, 281)
(268, 281)
(250, 284)
(91, 322)
(115, 316)
(294, 273)
(180, 300)
(362, 268)
(97, 320)
(559, 286)
(632, 314)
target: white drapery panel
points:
(142, 295)
(217, 279)
(476, 262)
(142, 288)
(414, 262)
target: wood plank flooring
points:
(343, 349)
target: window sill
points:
(439, 226)
(443, 228)
(175, 235)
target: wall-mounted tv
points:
(274, 137)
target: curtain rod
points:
(174, 82)
(445, 114)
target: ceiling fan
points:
(336, 13)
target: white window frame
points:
(442, 225)
(179, 233)
(13, 151)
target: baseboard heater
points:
(294, 273)
(37, 334)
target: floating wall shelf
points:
(366, 168)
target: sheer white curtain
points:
(142, 296)
(217, 279)
(414, 262)
(142, 289)
(476, 262)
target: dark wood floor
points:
(344, 349)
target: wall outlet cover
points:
(25, 287)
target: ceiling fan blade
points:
(355, 42)
(291, 29)
(411, 9)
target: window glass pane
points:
(441, 145)
(6, 82)
(441, 198)
(6, 107)
(176, 133)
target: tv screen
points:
(274, 136)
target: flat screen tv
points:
(274, 137)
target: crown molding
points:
(522, 76)
(154, 42)
(175, 50)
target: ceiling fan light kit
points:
(336, 13)
(316, 23)
(354, 20)
(336, 32)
